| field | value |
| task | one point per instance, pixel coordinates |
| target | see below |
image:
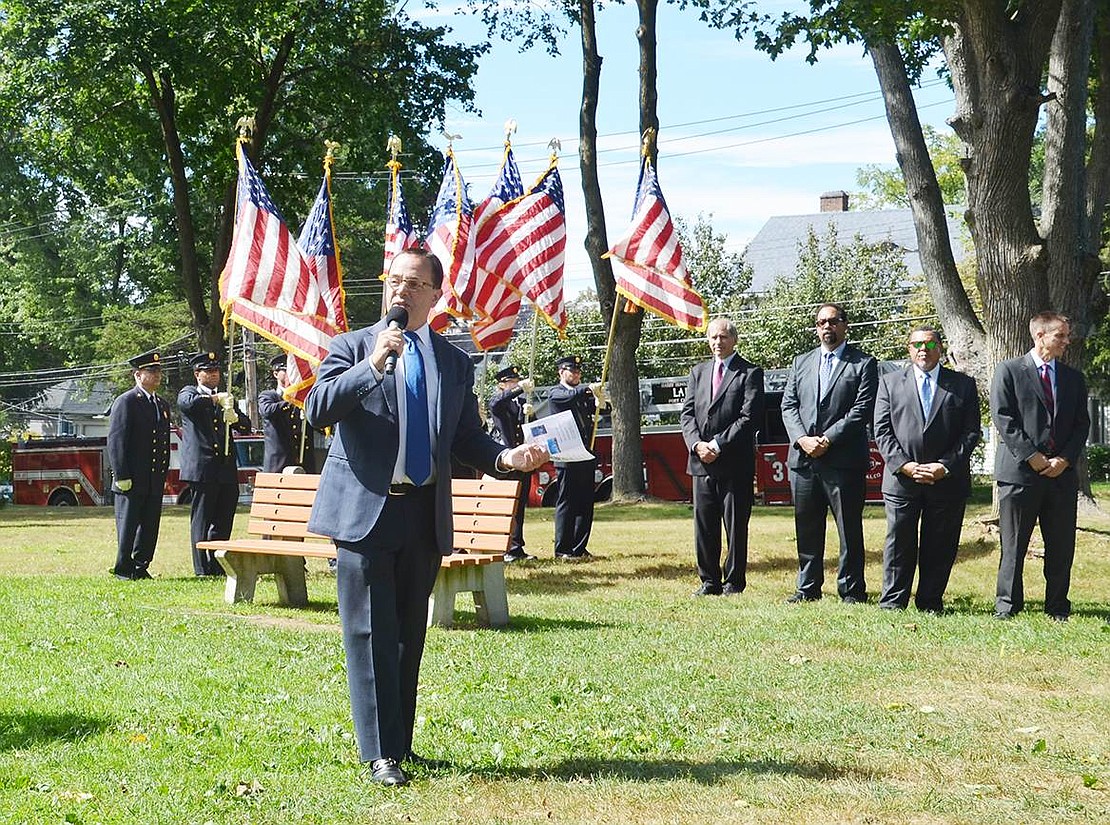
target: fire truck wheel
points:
(185, 496)
(62, 498)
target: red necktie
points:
(718, 377)
(1050, 402)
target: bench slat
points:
(481, 542)
(280, 512)
(287, 481)
(314, 549)
(484, 487)
(270, 495)
(497, 525)
(488, 506)
(284, 529)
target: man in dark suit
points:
(722, 411)
(509, 414)
(1039, 407)
(283, 426)
(826, 408)
(139, 453)
(574, 500)
(208, 460)
(926, 426)
(385, 495)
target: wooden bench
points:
(482, 511)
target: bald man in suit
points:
(385, 496)
(826, 408)
(1039, 407)
(926, 427)
(723, 410)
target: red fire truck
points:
(665, 451)
(66, 472)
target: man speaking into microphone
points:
(385, 495)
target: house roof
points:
(774, 250)
(75, 397)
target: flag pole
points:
(230, 373)
(394, 147)
(532, 359)
(605, 363)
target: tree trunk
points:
(205, 324)
(628, 475)
(964, 332)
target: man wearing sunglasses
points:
(926, 426)
(826, 408)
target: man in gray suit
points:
(385, 495)
(826, 408)
(1039, 407)
(723, 409)
(926, 426)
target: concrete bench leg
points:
(441, 604)
(243, 570)
(491, 602)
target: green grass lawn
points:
(612, 697)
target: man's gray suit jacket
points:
(1021, 417)
(363, 410)
(949, 436)
(842, 415)
(732, 417)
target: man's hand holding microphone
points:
(390, 341)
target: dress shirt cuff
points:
(714, 446)
(501, 464)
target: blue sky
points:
(741, 137)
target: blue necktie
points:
(826, 374)
(418, 446)
(926, 395)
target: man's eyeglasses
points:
(410, 285)
(828, 322)
(919, 345)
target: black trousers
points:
(729, 500)
(516, 539)
(138, 517)
(815, 492)
(384, 582)
(574, 507)
(922, 532)
(1052, 502)
(211, 519)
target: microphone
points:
(396, 318)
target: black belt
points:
(408, 489)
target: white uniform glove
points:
(527, 384)
(527, 408)
(124, 484)
(598, 389)
(231, 417)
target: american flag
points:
(317, 243)
(267, 284)
(495, 305)
(648, 263)
(525, 242)
(449, 237)
(399, 231)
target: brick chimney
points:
(834, 201)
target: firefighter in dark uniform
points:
(509, 413)
(208, 461)
(283, 426)
(574, 503)
(139, 453)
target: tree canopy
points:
(117, 167)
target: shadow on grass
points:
(703, 773)
(24, 730)
(526, 624)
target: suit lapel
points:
(445, 372)
(1031, 374)
(389, 382)
(731, 371)
(939, 394)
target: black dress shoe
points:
(124, 577)
(1003, 616)
(520, 556)
(387, 772)
(852, 600)
(731, 590)
(708, 589)
(1058, 617)
(140, 575)
(798, 598)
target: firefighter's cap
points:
(278, 362)
(146, 361)
(205, 361)
(570, 362)
(509, 373)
